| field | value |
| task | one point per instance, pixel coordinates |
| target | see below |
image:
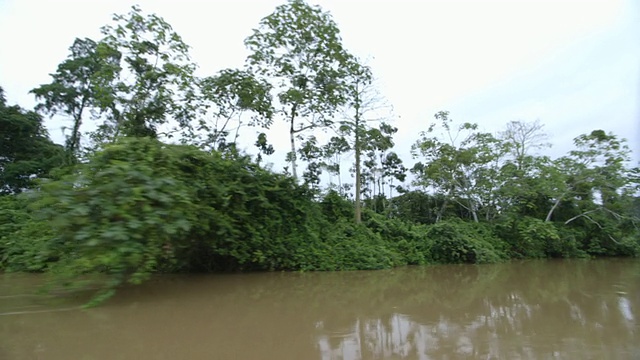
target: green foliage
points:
(629, 245)
(153, 80)
(118, 213)
(462, 171)
(26, 152)
(299, 48)
(23, 237)
(78, 85)
(419, 207)
(140, 206)
(355, 247)
(409, 241)
(301, 45)
(607, 237)
(534, 236)
(569, 244)
(224, 97)
(455, 241)
(529, 237)
(133, 80)
(336, 207)
(250, 218)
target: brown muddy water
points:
(521, 310)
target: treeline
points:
(157, 181)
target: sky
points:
(572, 64)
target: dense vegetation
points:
(158, 183)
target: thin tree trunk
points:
(474, 213)
(553, 208)
(358, 205)
(292, 137)
(75, 135)
(340, 177)
(441, 212)
(357, 146)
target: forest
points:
(153, 176)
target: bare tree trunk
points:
(292, 137)
(357, 148)
(358, 204)
(441, 212)
(74, 141)
(474, 213)
(339, 177)
(553, 208)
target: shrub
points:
(455, 241)
(408, 240)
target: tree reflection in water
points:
(574, 315)
(520, 310)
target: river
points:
(551, 309)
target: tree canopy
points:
(26, 152)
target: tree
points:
(365, 106)
(355, 126)
(155, 77)
(456, 168)
(595, 175)
(393, 168)
(521, 137)
(26, 152)
(312, 153)
(374, 144)
(299, 49)
(333, 151)
(224, 98)
(135, 79)
(523, 185)
(77, 84)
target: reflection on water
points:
(525, 310)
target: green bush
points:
(24, 239)
(408, 240)
(608, 242)
(140, 206)
(535, 237)
(629, 245)
(335, 207)
(602, 233)
(455, 241)
(355, 247)
(567, 245)
(121, 213)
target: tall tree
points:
(523, 137)
(393, 168)
(78, 82)
(455, 163)
(333, 152)
(365, 107)
(299, 49)
(225, 97)
(155, 78)
(376, 141)
(135, 79)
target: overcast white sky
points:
(573, 64)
